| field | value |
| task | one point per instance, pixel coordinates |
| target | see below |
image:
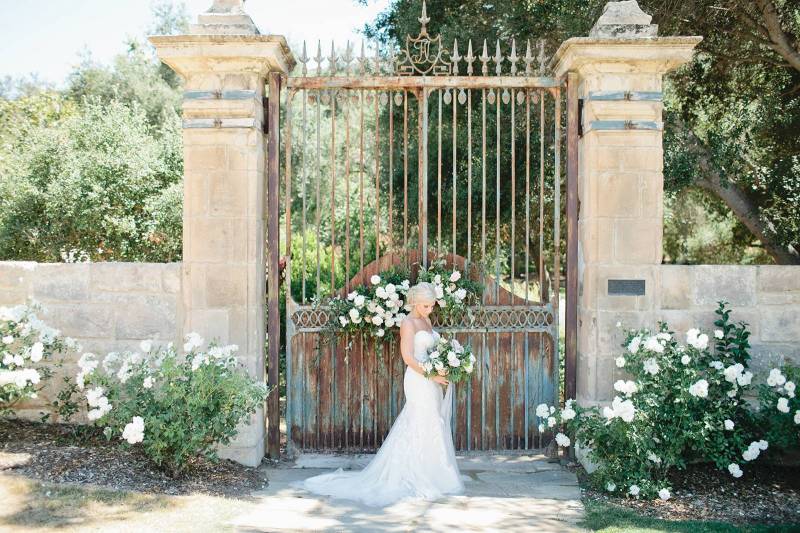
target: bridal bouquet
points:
(449, 358)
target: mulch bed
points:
(59, 454)
(767, 494)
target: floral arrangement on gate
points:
(175, 406)
(450, 359)
(27, 346)
(378, 308)
(684, 402)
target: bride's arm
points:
(407, 347)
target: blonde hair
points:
(420, 293)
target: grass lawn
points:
(34, 506)
(608, 518)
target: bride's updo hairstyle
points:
(422, 292)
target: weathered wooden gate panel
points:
(366, 172)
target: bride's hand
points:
(441, 380)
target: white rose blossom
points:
(134, 430)
(562, 440)
(718, 334)
(699, 389)
(37, 351)
(664, 494)
(729, 425)
(783, 405)
(775, 378)
(633, 346)
(375, 279)
(623, 409)
(634, 491)
(625, 387)
(651, 366)
(619, 361)
(735, 470)
(654, 345)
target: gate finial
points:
(423, 55)
(424, 19)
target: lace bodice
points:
(423, 340)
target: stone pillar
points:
(619, 70)
(224, 61)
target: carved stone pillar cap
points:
(656, 55)
(623, 20)
(225, 17)
(187, 54)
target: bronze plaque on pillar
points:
(626, 287)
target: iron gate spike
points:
(498, 59)
(513, 57)
(455, 57)
(470, 58)
(484, 59)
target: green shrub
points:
(684, 403)
(27, 346)
(178, 407)
(99, 185)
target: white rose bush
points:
(683, 402)
(378, 308)
(779, 407)
(175, 407)
(27, 349)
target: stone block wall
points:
(104, 306)
(767, 297)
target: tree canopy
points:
(94, 171)
(732, 114)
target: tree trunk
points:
(745, 210)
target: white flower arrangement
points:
(450, 359)
(378, 309)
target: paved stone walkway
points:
(503, 493)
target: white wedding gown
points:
(417, 459)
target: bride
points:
(417, 459)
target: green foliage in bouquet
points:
(450, 359)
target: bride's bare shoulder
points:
(407, 327)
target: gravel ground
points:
(58, 454)
(767, 494)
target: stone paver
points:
(503, 493)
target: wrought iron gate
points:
(397, 159)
